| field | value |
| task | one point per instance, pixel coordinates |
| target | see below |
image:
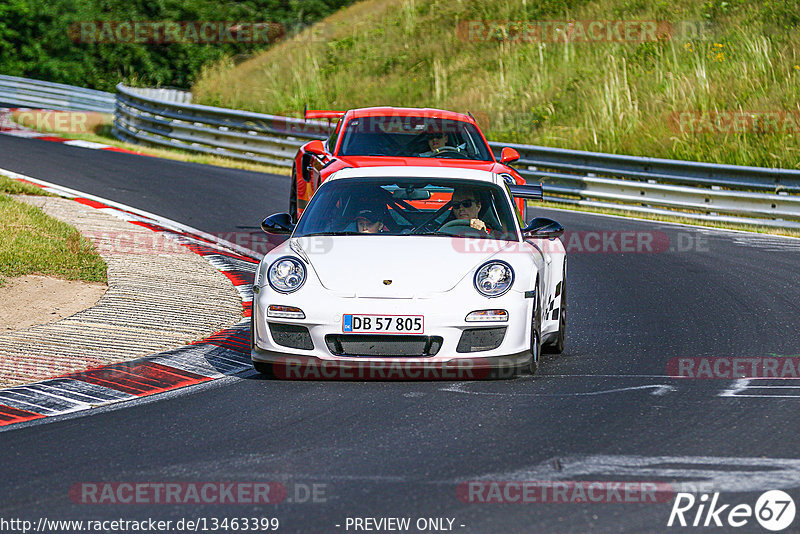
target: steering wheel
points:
(448, 150)
(456, 222)
(442, 151)
(461, 227)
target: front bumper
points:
(445, 321)
(303, 367)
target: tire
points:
(557, 346)
(536, 350)
(293, 196)
(265, 369)
(252, 329)
(536, 336)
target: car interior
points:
(404, 208)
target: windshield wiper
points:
(329, 233)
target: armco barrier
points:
(647, 185)
(145, 118)
(705, 191)
(23, 92)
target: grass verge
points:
(15, 187)
(35, 243)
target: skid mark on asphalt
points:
(763, 388)
(688, 473)
(655, 389)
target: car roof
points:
(383, 111)
(414, 172)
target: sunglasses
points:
(465, 203)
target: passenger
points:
(369, 222)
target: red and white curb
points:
(9, 127)
(222, 354)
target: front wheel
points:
(536, 351)
(266, 369)
(536, 332)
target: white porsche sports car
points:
(410, 272)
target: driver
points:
(436, 141)
(466, 206)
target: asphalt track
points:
(605, 410)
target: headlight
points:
(494, 278)
(286, 274)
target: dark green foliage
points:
(36, 41)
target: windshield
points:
(423, 137)
(409, 206)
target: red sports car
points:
(381, 136)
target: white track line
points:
(162, 221)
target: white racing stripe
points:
(85, 144)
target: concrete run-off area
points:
(158, 298)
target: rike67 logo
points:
(774, 510)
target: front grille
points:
(383, 345)
(480, 339)
(291, 335)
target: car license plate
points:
(383, 324)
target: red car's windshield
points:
(412, 137)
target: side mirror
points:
(542, 228)
(508, 155)
(280, 223)
(316, 147)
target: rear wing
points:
(534, 192)
(322, 114)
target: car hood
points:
(381, 161)
(360, 266)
